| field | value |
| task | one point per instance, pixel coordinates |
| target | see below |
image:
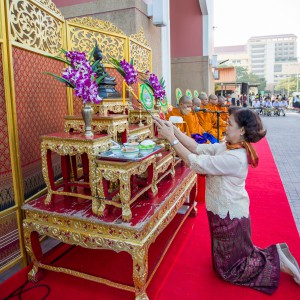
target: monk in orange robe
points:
(206, 119)
(212, 106)
(190, 118)
(221, 106)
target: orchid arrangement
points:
(79, 75)
(157, 86)
(126, 69)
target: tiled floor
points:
(284, 140)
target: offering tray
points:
(108, 155)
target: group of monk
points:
(205, 116)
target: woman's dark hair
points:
(250, 120)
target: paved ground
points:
(284, 140)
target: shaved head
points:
(196, 102)
(185, 100)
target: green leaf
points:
(58, 58)
(61, 79)
(131, 61)
(95, 65)
(100, 79)
(92, 52)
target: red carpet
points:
(186, 272)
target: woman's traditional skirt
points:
(237, 260)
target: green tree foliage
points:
(242, 75)
(288, 85)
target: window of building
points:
(278, 68)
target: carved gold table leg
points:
(45, 170)
(125, 195)
(140, 272)
(33, 248)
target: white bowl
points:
(131, 144)
(130, 152)
(116, 150)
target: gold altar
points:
(72, 223)
(66, 145)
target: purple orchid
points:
(80, 74)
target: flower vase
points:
(87, 115)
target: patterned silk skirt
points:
(237, 260)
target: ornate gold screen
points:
(29, 29)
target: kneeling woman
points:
(235, 258)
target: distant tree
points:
(287, 85)
(242, 75)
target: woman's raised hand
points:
(165, 128)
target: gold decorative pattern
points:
(98, 235)
(48, 4)
(114, 171)
(32, 27)
(142, 132)
(83, 40)
(65, 146)
(164, 164)
(140, 51)
(140, 38)
(112, 126)
(141, 57)
(97, 24)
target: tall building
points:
(233, 55)
(272, 56)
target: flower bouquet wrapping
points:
(158, 89)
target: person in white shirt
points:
(235, 258)
(268, 108)
(256, 105)
(283, 106)
(276, 108)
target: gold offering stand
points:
(117, 106)
(112, 124)
(69, 145)
(125, 174)
(132, 179)
(71, 223)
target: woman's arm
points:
(185, 140)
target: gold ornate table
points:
(74, 224)
(142, 132)
(66, 145)
(135, 116)
(112, 124)
(124, 173)
(111, 105)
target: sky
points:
(235, 21)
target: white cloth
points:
(225, 181)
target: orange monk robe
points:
(222, 124)
(191, 125)
(223, 117)
(206, 120)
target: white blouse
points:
(225, 181)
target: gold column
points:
(9, 90)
